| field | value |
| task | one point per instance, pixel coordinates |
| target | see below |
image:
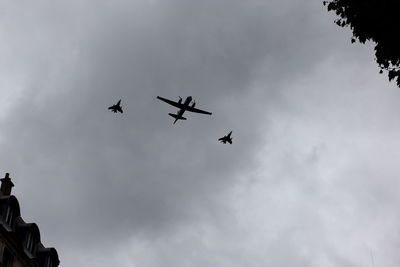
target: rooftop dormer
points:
(9, 211)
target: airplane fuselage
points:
(186, 104)
(226, 138)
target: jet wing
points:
(189, 108)
(172, 103)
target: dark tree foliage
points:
(375, 20)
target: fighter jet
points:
(226, 138)
(117, 107)
(185, 106)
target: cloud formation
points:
(309, 180)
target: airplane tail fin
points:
(176, 117)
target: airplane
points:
(117, 107)
(226, 138)
(185, 106)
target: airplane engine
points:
(180, 100)
(194, 104)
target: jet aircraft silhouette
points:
(226, 138)
(117, 107)
(185, 106)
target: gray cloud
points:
(277, 73)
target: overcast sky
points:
(311, 179)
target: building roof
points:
(25, 237)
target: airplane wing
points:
(120, 109)
(189, 108)
(172, 103)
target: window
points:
(49, 262)
(9, 215)
(7, 258)
(29, 242)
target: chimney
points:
(6, 185)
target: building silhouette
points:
(20, 244)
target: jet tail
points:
(176, 117)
